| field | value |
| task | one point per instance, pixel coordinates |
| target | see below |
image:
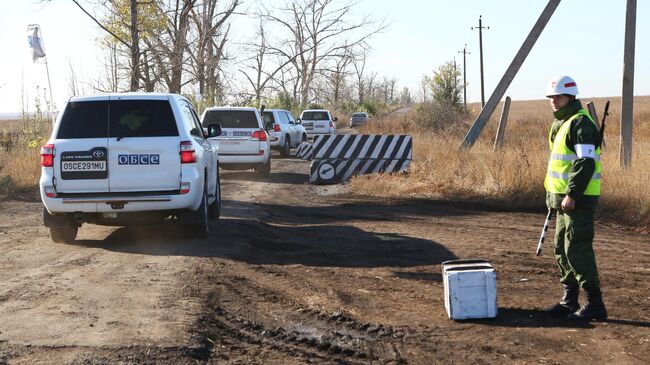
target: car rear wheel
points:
(215, 207)
(264, 169)
(64, 234)
(202, 228)
(286, 148)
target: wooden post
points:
(627, 103)
(475, 131)
(594, 115)
(501, 131)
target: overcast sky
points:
(584, 39)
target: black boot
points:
(569, 302)
(594, 309)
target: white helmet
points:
(562, 85)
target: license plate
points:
(91, 164)
(229, 142)
(83, 166)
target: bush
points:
(438, 116)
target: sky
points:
(583, 39)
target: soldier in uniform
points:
(573, 188)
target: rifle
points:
(602, 124)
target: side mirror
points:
(336, 119)
(214, 130)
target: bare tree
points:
(318, 30)
(337, 74)
(135, 47)
(359, 64)
(207, 50)
(133, 44)
(71, 78)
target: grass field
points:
(20, 154)
(513, 177)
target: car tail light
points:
(50, 192)
(261, 152)
(47, 155)
(188, 155)
(276, 127)
(259, 135)
(185, 188)
(331, 125)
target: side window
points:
(291, 118)
(197, 121)
(190, 121)
(284, 119)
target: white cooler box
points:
(470, 289)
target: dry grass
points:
(20, 167)
(513, 177)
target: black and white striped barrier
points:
(304, 150)
(336, 158)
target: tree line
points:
(303, 51)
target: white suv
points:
(285, 133)
(318, 122)
(244, 142)
(123, 159)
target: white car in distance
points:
(285, 133)
(318, 122)
(244, 142)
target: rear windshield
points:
(128, 118)
(231, 118)
(358, 115)
(269, 118)
(142, 118)
(84, 119)
(315, 116)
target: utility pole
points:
(464, 52)
(480, 45)
(627, 102)
(500, 90)
(455, 78)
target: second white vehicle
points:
(244, 142)
(285, 133)
(318, 122)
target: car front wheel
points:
(286, 148)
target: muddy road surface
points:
(298, 274)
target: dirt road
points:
(296, 274)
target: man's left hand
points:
(568, 204)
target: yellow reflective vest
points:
(561, 160)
